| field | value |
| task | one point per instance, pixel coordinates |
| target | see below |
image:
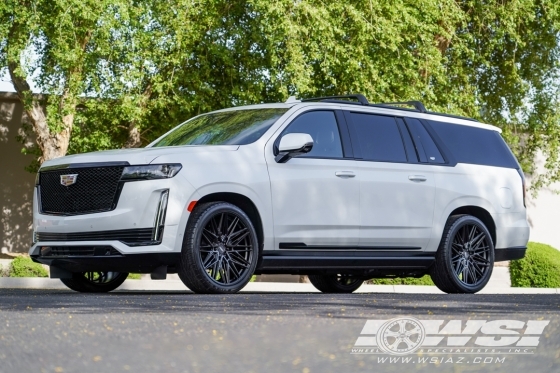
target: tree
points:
(147, 65)
(54, 40)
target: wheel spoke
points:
(466, 272)
(395, 344)
(464, 235)
(220, 224)
(416, 330)
(472, 233)
(205, 234)
(232, 226)
(239, 260)
(478, 270)
(402, 326)
(459, 268)
(475, 242)
(236, 273)
(390, 333)
(233, 235)
(238, 239)
(409, 343)
(208, 261)
(225, 269)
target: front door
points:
(315, 197)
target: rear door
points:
(396, 190)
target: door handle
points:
(417, 178)
(344, 174)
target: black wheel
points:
(95, 282)
(336, 283)
(465, 257)
(220, 249)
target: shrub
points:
(424, 280)
(134, 276)
(23, 266)
(539, 269)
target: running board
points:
(343, 260)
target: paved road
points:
(62, 331)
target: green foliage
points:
(540, 268)
(424, 280)
(134, 276)
(119, 66)
(23, 266)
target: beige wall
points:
(16, 184)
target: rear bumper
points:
(510, 253)
(131, 263)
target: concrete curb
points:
(258, 287)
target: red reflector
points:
(191, 206)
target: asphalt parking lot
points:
(63, 331)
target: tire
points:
(95, 282)
(335, 283)
(220, 249)
(465, 257)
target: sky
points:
(6, 83)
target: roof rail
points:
(362, 100)
(417, 105)
(359, 97)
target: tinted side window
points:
(323, 128)
(379, 138)
(475, 145)
(423, 138)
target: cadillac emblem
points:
(68, 180)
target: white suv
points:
(339, 190)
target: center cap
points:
(221, 249)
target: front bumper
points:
(133, 227)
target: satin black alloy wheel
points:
(95, 282)
(465, 257)
(336, 283)
(220, 249)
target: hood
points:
(136, 156)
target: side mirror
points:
(292, 145)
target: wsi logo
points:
(68, 180)
(406, 335)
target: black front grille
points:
(127, 236)
(64, 251)
(95, 190)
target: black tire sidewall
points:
(78, 282)
(329, 284)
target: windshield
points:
(237, 127)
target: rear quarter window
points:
(475, 145)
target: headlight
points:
(150, 172)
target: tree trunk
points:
(52, 145)
(134, 136)
(134, 140)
